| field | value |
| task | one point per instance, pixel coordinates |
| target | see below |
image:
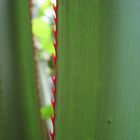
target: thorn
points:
(55, 8)
(54, 58)
(55, 20)
(53, 103)
(51, 135)
(55, 33)
(52, 118)
(54, 79)
(54, 91)
(54, 44)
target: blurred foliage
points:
(43, 7)
(42, 27)
(46, 112)
(43, 32)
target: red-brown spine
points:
(54, 77)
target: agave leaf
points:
(18, 87)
